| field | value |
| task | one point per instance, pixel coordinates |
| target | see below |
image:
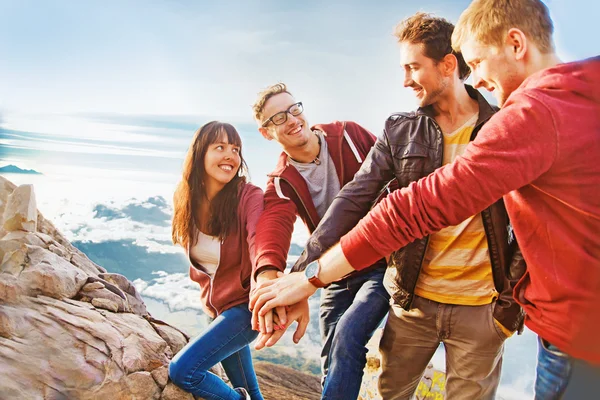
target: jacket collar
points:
(486, 110)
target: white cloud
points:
(177, 291)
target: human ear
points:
(265, 132)
(516, 39)
(450, 64)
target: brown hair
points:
(191, 192)
(434, 34)
(488, 21)
(265, 95)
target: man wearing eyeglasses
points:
(315, 164)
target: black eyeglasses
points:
(281, 117)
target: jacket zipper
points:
(439, 131)
(301, 201)
(489, 235)
(211, 282)
(342, 157)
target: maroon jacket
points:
(230, 285)
(287, 194)
(540, 152)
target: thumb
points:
(280, 274)
(300, 330)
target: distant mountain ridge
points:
(13, 169)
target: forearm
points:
(334, 265)
(274, 233)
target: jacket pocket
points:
(409, 162)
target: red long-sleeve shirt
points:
(541, 151)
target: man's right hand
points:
(264, 324)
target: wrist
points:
(309, 287)
(312, 274)
(266, 272)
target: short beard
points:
(432, 97)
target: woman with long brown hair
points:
(215, 215)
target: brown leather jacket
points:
(410, 148)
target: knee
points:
(181, 375)
(349, 344)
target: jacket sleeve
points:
(515, 147)
(351, 203)
(274, 230)
(253, 208)
(367, 140)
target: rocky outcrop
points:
(68, 328)
(278, 382)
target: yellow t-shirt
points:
(457, 267)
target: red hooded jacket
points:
(287, 194)
(230, 284)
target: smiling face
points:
(294, 133)
(221, 162)
(422, 74)
(493, 68)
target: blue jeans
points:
(562, 377)
(350, 311)
(226, 341)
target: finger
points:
(261, 341)
(276, 321)
(255, 323)
(254, 297)
(269, 304)
(274, 338)
(282, 314)
(260, 303)
(261, 324)
(301, 329)
(256, 317)
(268, 322)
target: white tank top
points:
(206, 252)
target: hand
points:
(298, 312)
(264, 324)
(284, 291)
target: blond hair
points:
(262, 98)
(488, 21)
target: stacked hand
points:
(275, 291)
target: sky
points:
(209, 59)
(103, 99)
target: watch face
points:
(311, 269)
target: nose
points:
(408, 81)
(229, 154)
(477, 81)
(291, 120)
